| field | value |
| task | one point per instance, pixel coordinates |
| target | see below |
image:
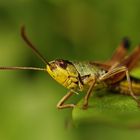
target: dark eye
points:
(63, 64)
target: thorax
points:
(88, 73)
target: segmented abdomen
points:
(123, 87)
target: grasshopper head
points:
(63, 72)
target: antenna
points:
(23, 34)
(22, 68)
(30, 45)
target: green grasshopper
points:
(78, 76)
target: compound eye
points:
(63, 64)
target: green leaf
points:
(108, 108)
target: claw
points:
(85, 106)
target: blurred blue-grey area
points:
(68, 29)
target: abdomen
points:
(123, 88)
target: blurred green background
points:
(69, 29)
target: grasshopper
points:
(79, 76)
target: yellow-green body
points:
(79, 75)
(68, 77)
(76, 75)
